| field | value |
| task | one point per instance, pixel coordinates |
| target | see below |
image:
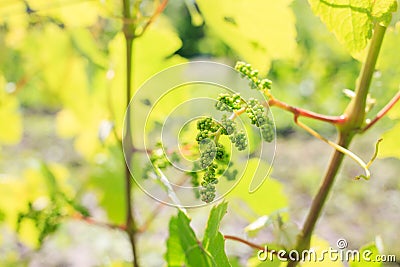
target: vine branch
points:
(355, 113)
(383, 111)
(129, 34)
(299, 112)
(250, 244)
(160, 8)
(90, 220)
(356, 108)
(241, 240)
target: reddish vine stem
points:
(90, 220)
(383, 111)
(248, 243)
(160, 8)
(241, 240)
(299, 112)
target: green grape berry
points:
(240, 140)
(208, 153)
(228, 102)
(209, 175)
(228, 126)
(264, 84)
(207, 193)
(256, 112)
(203, 135)
(207, 124)
(267, 131)
(246, 70)
(204, 124)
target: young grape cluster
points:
(267, 131)
(240, 140)
(228, 126)
(207, 129)
(213, 156)
(228, 102)
(208, 153)
(214, 160)
(258, 116)
(247, 71)
(256, 112)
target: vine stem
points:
(299, 112)
(250, 244)
(304, 238)
(93, 221)
(130, 17)
(241, 240)
(355, 111)
(383, 111)
(160, 8)
(129, 34)
(355, 114)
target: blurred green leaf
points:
(368, 254)
(84, 42)
(239, 25)
(267, 199)
(78, 14)
(151, 59)
(320, 245)
(108, 182)
(254, 227)
(9, 115)
(390, 146)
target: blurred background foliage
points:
(62, 68)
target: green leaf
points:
(352, 21)
(175, 255)
(79, 14)
(382, 10)
(368, 254)
(180, 229)
(213, 240)
(247, 29)
(85, 43)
